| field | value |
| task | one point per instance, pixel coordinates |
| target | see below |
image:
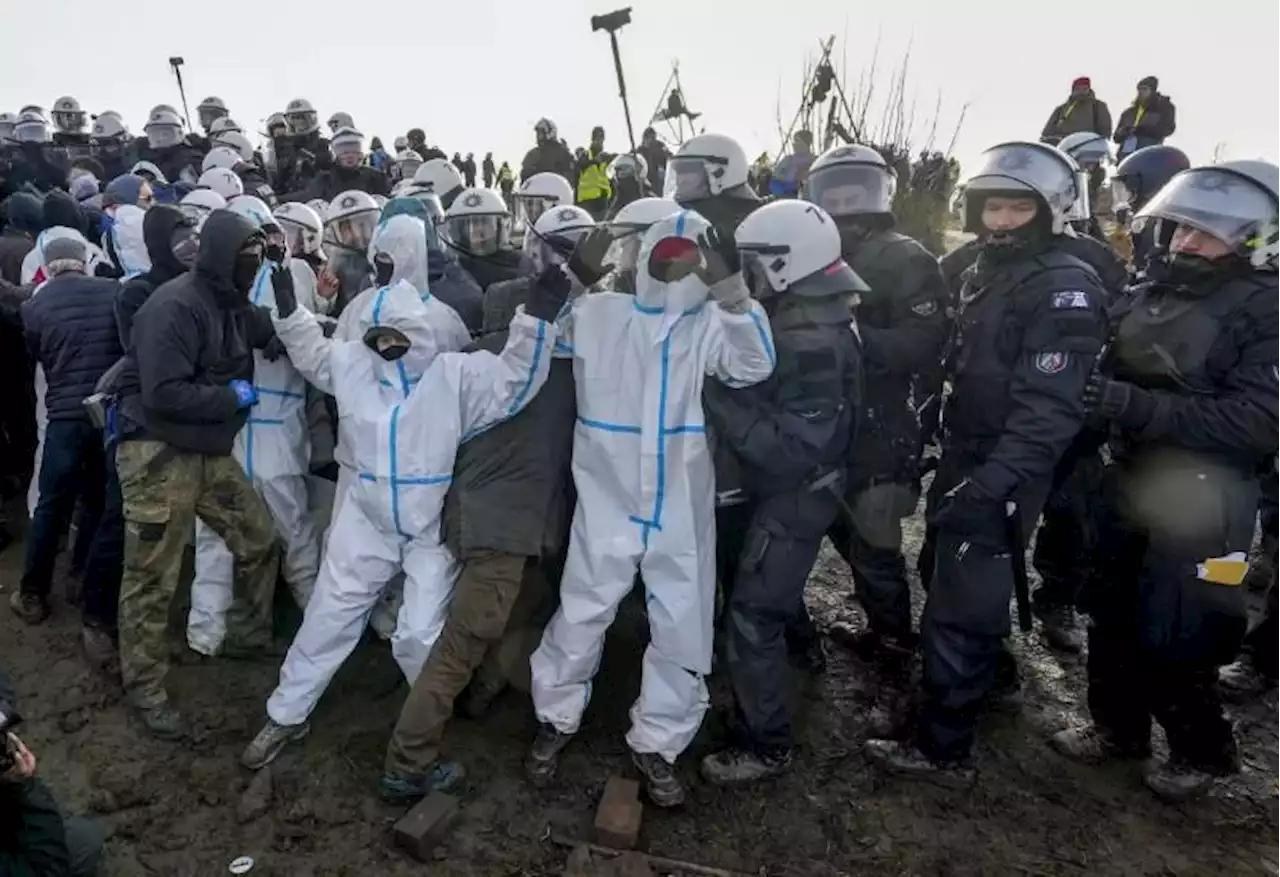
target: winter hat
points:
(65, 254)
(1150, 82)
(1081, 82)
(23, 212)
(124, 189)
(61, 209)
(84, 187)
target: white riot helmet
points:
(31, 127)
(68, 118)
(793, 247)
(351, 220)
(442, 178)
(478, 222)
(340, 120)
(552, 238)
(320, 206)
(429, 199)
(149, 172)
(253, 209)
(107, 127)
(407, 163)
(347, 147)
(222, 125)
(852, 180)
(275, 120)
(1087, 148)
(236, 142)
(1235, 202)
(628, 165)
(628, 228)
(210, 110)
(1024, 169)
(705, 166)
(302, 227)
(220, 156)
(300, 116)
(222, 180)
(401, 143)
(7, 121)
(161, 108)
(163, 129)
(539, 193)
(199, 203)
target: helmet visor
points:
(530, 207)
(1021, 166)
(851, 189)
(68, 121)
(1217, 202)
(480, 235)
(687, 178)
(197, 213)
(1121, 196)
(298, 238)
(31, 132)
(163, 136)
(301, 123)
(355, 231)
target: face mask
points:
(275, 253)
(246, 270)
(185, 245)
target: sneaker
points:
(1092, 745)
(270, 740)
(660, 780)
(544, 754)
(164, 722)
(731, 767)
(905, 760)
(1060, 627)
(100, 649)
(1241, 682)
(1175, 781)
(31, 608)
(404, 788)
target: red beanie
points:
(1081, 81)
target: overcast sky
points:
(477, 74)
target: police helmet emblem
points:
(349, 201)
(565, 215)
(1212, 181)
(472, 200)
(1014, 160)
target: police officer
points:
(1190, 396)
(791, 435)
(1136, 181)
(1029, 327)
(69, 135)
(709, 175)
(903, 323)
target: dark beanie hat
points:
(1150, 82)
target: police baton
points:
(1018, 557)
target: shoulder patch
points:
(1051, 362)
(925, 308)
(1070, 299)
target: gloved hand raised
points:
(1129, 406)
(246, 393)
(384, 267)
(282, 284)
(587, 261)
(720, 255)
(549, 293)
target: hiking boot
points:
(905, 760)
(731, 767)
(100, 649)
(544, 754)
(270, 740)
(1060, 627)
(1090, 744)
(163, 721)
(31, 608)
(660, 780)
(406, 788)
(478, 698)
(1175, 781)
(1241, 682)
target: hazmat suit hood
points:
(448, 281)
(157, 233)
(404, 239)
(126, 241)
(679, 297)
(398, 306)
(33, 262)
(222, 237)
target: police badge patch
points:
(1051, 362)
(1069, 300)
(472, 200)
(567, 215)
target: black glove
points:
(282, 283)
(327, 471)
(587, 262)
(106, 269)
(329, 327)
(274, 349)
(721, 255)
(967, 512)
(549, 293)
(384, 267)
(1129, 406)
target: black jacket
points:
(329, 184)
(157, 230)
(70, 330)
(550, 157)
(174, 161)
(32, 840)
(1073, 116)
(511, 489)
(1159, 121)
(488, 270)
(193, 336)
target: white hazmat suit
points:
(646, 491)
(403, 452)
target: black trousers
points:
(1068, 533)
(872, 546)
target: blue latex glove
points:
(246, 393)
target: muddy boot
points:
(1241, 682)
(401, 788)
(163, 721)
(101, 650)
(544, 755)
(1093, 745)
(479, 697)
(269, 742)
(889, 653)
(1060, 627)
(660, 780)
(1175, 781)
(733, 767)
(31, 608)
(1262, 571)
(906, 760)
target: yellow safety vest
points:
(593, 182)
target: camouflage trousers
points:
(164, 490)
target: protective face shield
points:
(248, 261)
(1028, 169)
(210, 108)
(479, 235)
(851, 189)
(297, 238)
(629, 167)
(236, 142)
(347, 149)
(163, 133)
(68, 118)
(529, 208)
(148, 172)
(353, 231)
(338, 121)
(31, 128)
(184, 242)
(1238, 208)
(553, 238)
(705, 166)
(7, 121)
(197, 205)
(302, 227)
(300, 117)
(794, 247)
(106, 130)
(407, 164)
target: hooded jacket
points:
(448, 281)
(157, 231)
(192, 337)
(125, 241)
(1148, 124)
(331, 183)
(1075, 115)
(23, 215)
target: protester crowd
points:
(457, 417)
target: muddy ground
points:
(171, 809)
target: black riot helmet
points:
(1143, 173)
